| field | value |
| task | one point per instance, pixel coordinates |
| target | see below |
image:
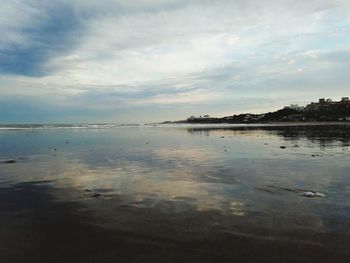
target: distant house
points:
(327, 104)
(200, 118)
(295, 107)
(191, 118)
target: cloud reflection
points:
(180, 172)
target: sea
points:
(175, 193)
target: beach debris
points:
(272, 189)
(283, 147)
(95, 195)
(222, 137)
(312, 194)
(9, 161)
(91, 193)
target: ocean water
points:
(174, 193)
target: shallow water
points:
(174, 194)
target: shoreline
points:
(280, 124)
(14, 127)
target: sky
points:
(137, 61)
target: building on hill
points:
(326, 104)
(323, 110)
(199, 118)
(295, 107)
(205, 118)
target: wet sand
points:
(35, 228)
(175, 208)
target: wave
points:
(148, 125)
(62, 126)
(107, 126)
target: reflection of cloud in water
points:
(179, 191)
(146, 189)
(189, 153)
(178, 173)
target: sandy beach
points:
(175, 194)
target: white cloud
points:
(171, 52)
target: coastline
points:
(280, 124)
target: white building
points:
(295, 107)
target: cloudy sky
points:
(64, 61)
